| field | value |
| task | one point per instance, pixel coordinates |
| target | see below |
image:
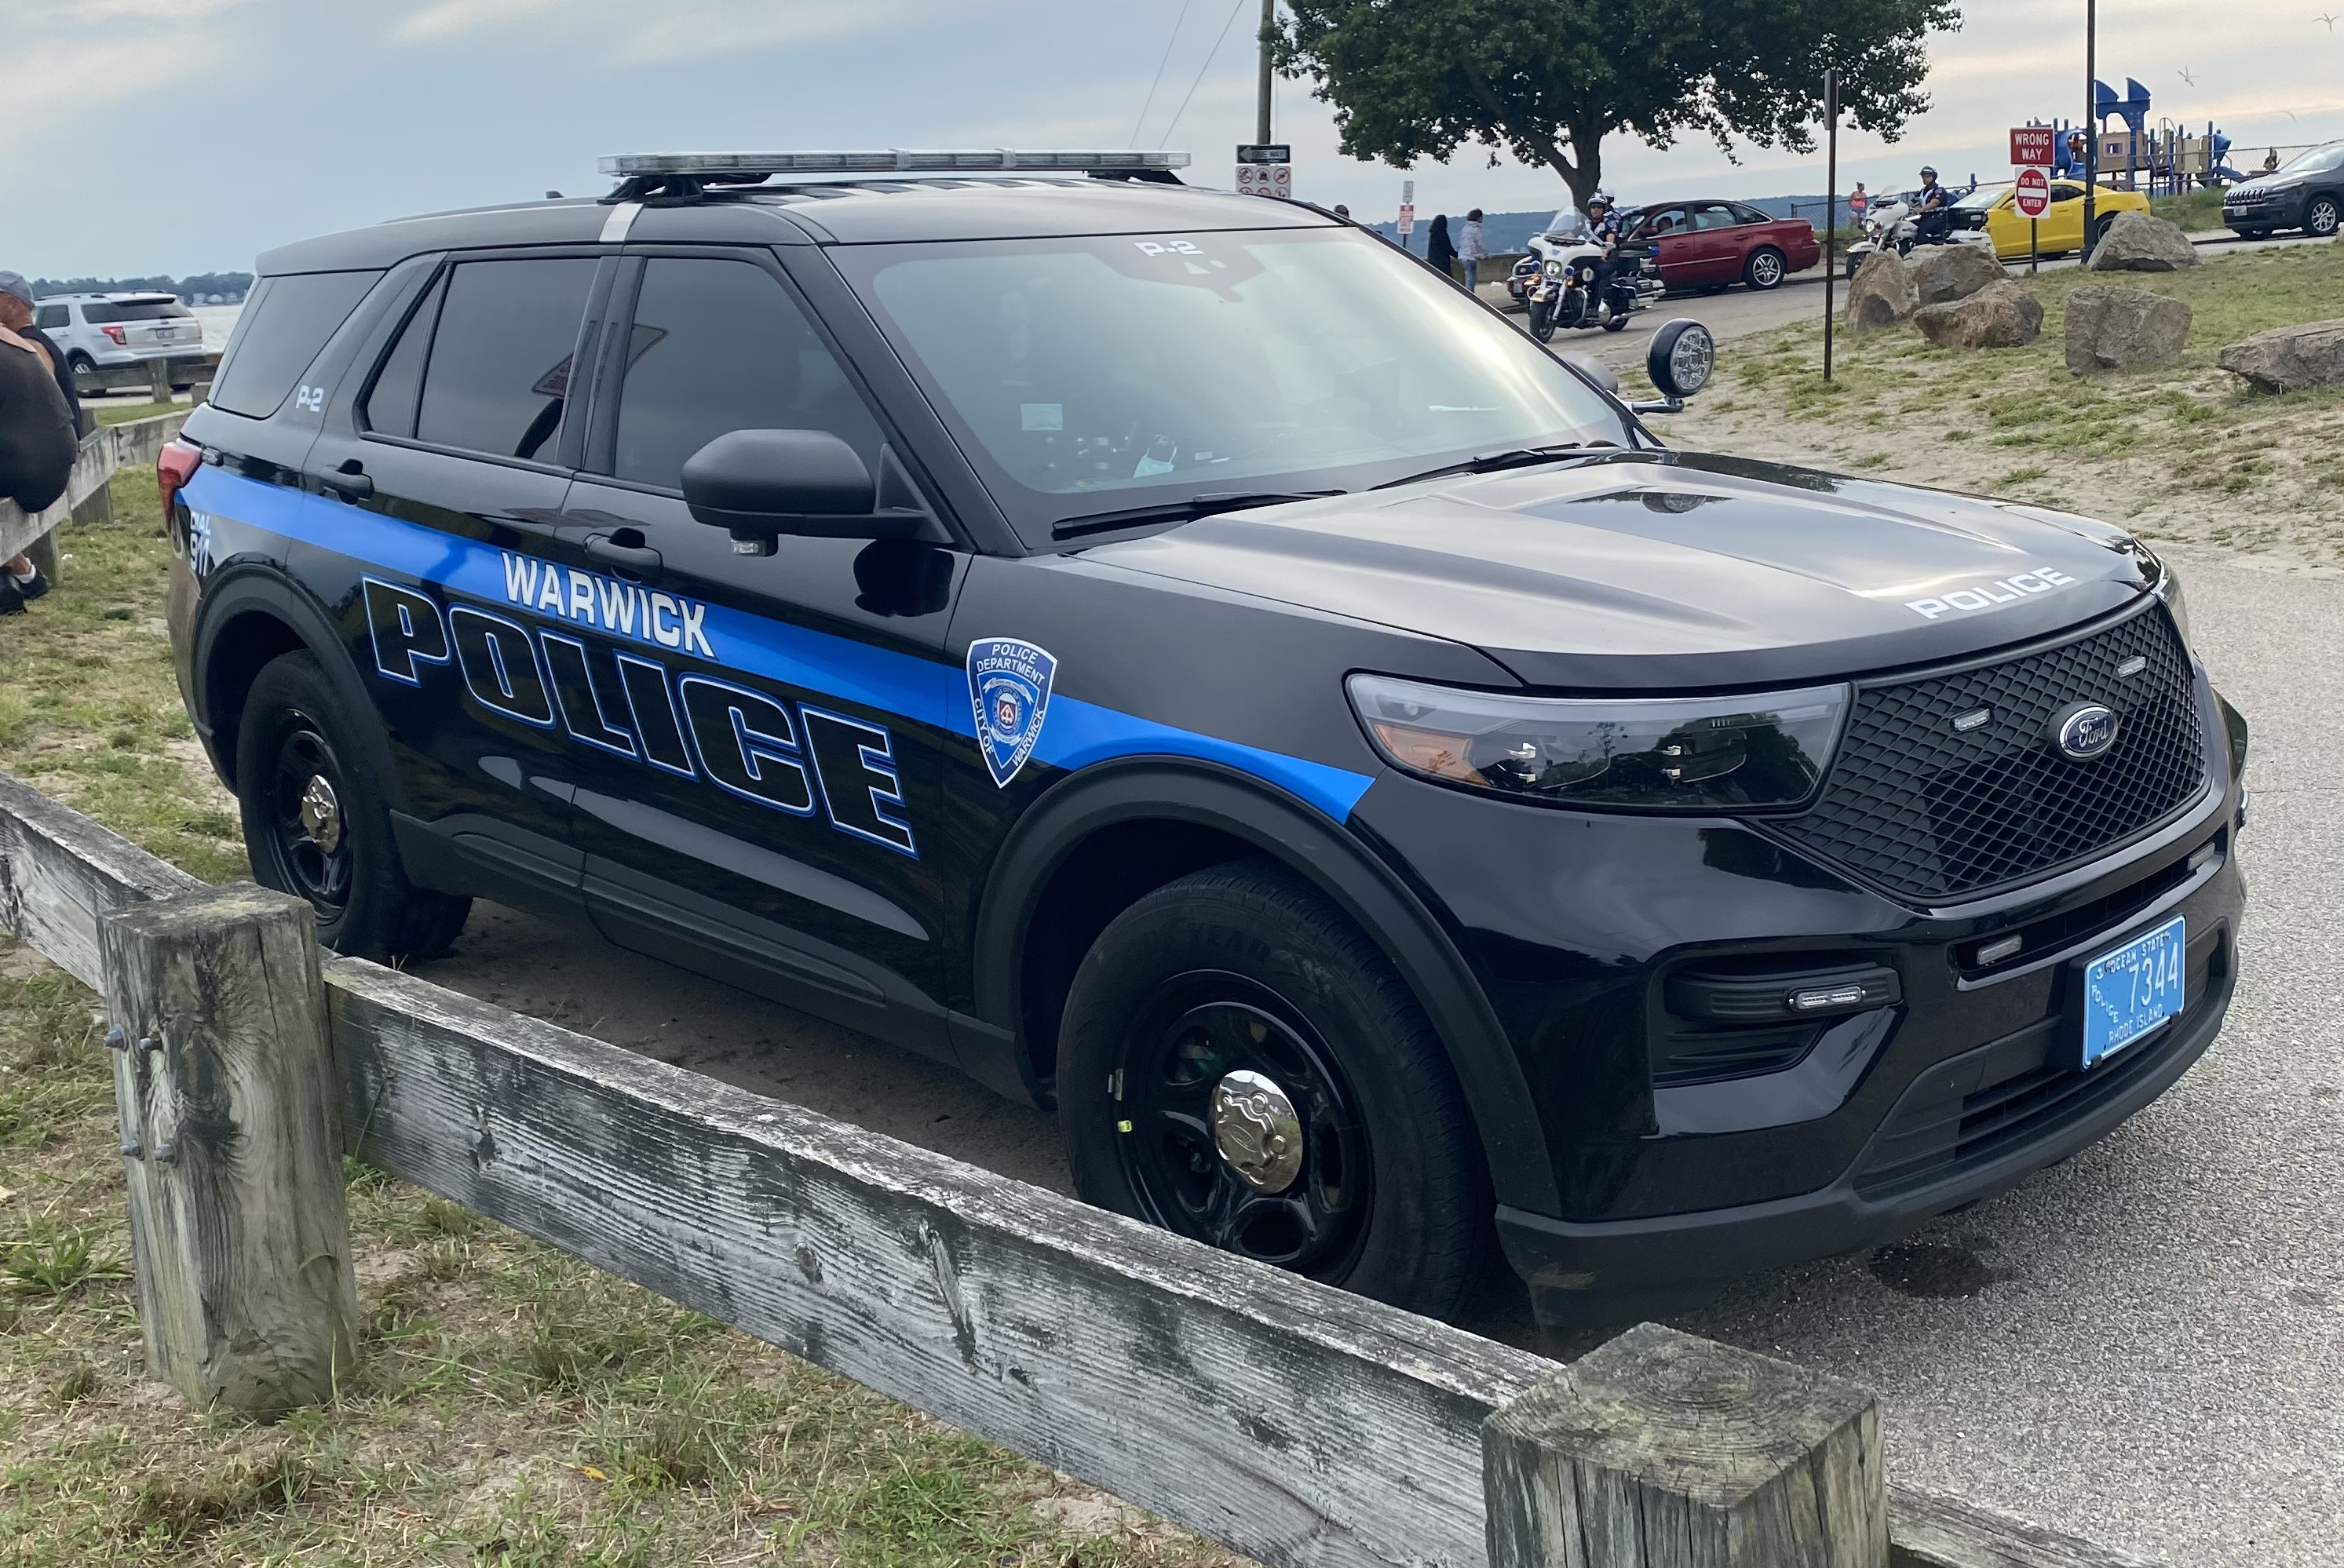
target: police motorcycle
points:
(1890, 225)
(1564, 293)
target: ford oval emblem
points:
(2084, 731)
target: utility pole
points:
(1261, 126)
(2091, 118)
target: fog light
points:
(1995, 952)
(1826, 997)
(2206, 855)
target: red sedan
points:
(1713, 244)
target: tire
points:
(1615, 324)
(294, 731)
(2319, 217)
(1241, 968)
(1764, 269)
(1541, 321)
(2100, 231)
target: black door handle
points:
(625, 549)
(350, 481)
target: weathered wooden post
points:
(223, 1078)
(1661, 1449)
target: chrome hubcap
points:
(321, 814)
(1257, 1130)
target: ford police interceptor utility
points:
(1174, 657)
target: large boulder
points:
(1999, 316)
(2290, 358)
(1881, 293)
(1945, 273)
(2112, 329)
(2136, 242)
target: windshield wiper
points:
(1507, 457)
(1189, 510)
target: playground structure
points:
(2164, 158)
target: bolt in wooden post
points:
(223, 1078)
(1664, 1450)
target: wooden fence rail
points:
(1292, 1423)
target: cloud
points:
(627, 30)
(67, 58)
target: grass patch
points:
(2196, 211)
(512, 1408)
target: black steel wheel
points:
(316, 824)
(1238, 1064)
(308, 844)
(1246, 1135)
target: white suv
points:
(102, 332)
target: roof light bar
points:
(889, 160)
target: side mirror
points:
(761, 484)
(1595, 370)
(1680, 360)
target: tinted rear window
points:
(285, 322)
(500, 367)
(99, 312)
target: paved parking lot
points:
(2145, 1345)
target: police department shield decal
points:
(1009, 685)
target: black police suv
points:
(1176, 658)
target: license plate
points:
(2130, 992)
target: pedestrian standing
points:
(26, 455)
(1857, 200)
(37, 452)
(16, 313)
(1438, 249)
(1471, 250)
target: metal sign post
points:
(2091, 119)
(1407, 211)
(2033, 149)
(1831, 207)
(2031, 194)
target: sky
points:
(188, 136)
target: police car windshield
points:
(1111, 373)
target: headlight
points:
(1554, 270)
(1660, 754)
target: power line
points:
(1202, 70)
(1150, 102)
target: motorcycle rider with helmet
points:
(1603, 222)
(1932, 210)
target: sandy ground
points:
(2177, 455)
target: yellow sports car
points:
(2062, 227)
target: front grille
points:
(1928, 813)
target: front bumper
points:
(1968, 1128)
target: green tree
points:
(1548, 80)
